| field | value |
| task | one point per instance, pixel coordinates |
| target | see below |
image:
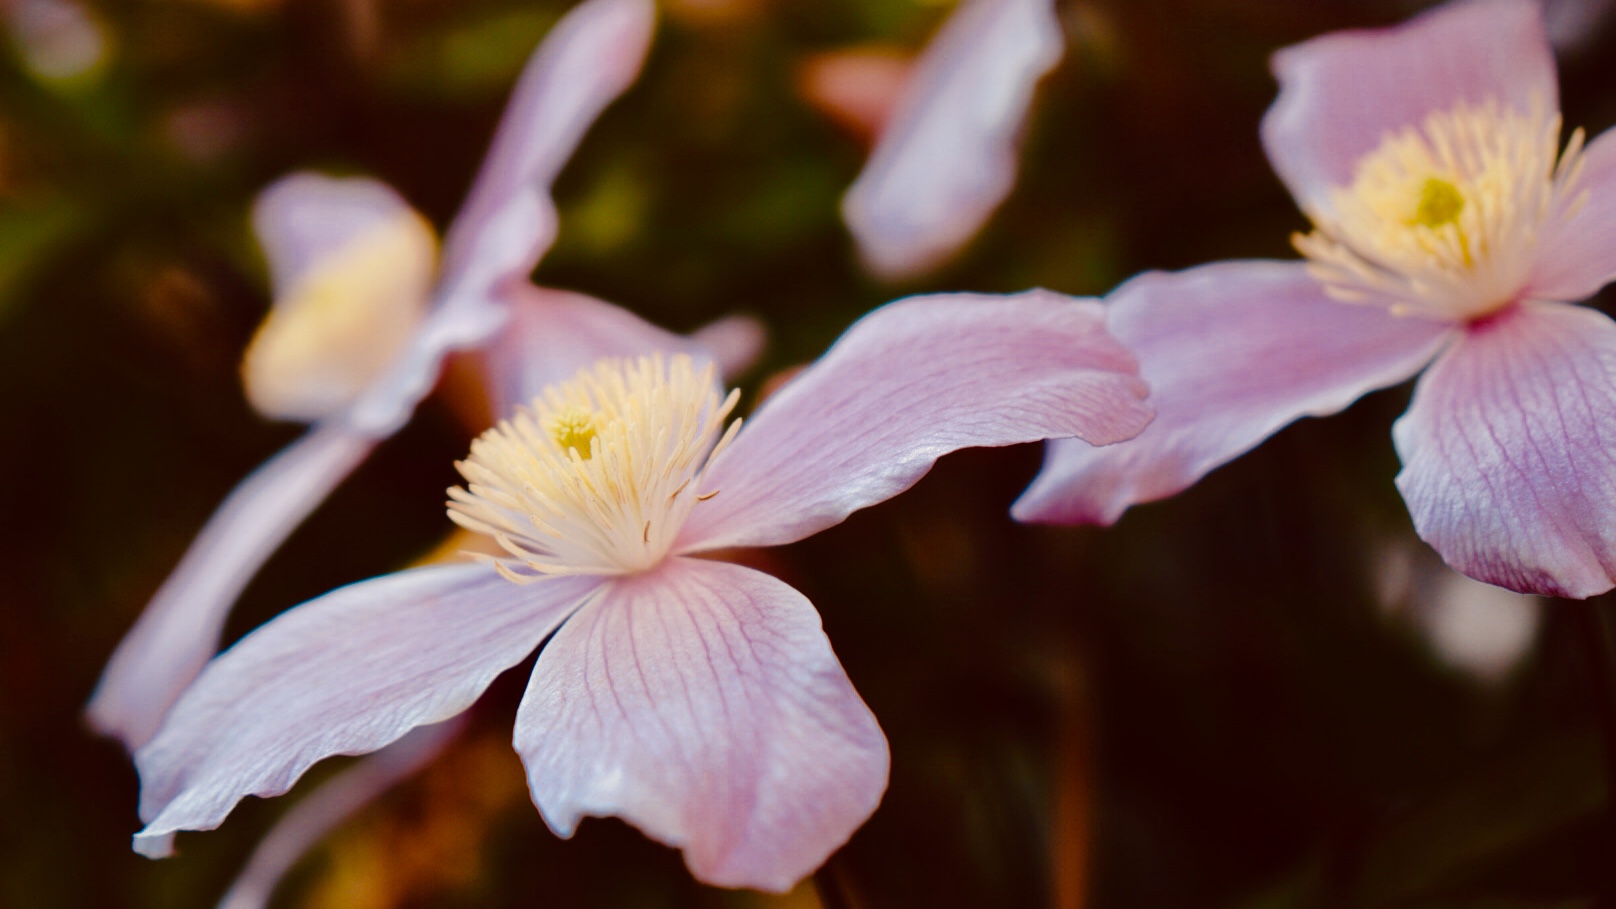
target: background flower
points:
(1449, 229)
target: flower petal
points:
(343, 674)
(1577, 252)
(948, 156)
(304, 217)
(591, 56)
(554, 333)
(1509, 468)
(508, 220)
(1341, 93)
(321, 811)
(702, 703)
(1232, 352)
(907, 384)
(1574, 24)
(179, 630)
(734, 342)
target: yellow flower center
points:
(574, 429)
(1442, 219)
(1440, 204)
(345, 320)
(597, 474)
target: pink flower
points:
(947, 158)
(697, 699)
(363, 319)
(1452, 233)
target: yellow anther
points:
(573, 428)
(1440, 203)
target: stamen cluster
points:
(1442, 220)
(597, 474)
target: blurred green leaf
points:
(28, 237)
(1483, 819)
(478, 57)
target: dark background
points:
(1222, 701)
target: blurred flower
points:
(1448, 226)
(856, 87)
(58, 40)
(1573, 23)
(947, 158)
(1478, 628)
(205, 131)
(698, 699)
(359, 329)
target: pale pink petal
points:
(346, 673)
(907, 384)
(304, 217)
(734, 342)
(1232, 352)
(321, 811)
(1574, 24)
(702, 703)
(948, 156)
(1341, 93)
(1509, 451)
(179, 630)
(1577, 253)
(554, 333)
(508, 220)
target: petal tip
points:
(153, 844)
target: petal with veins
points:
(1342, 93)
(179, 630)
(948, 156)
(1577, 254)
(904, 386)
(346, 673)
(1509, 468)
(1232, 352)
(702, 703)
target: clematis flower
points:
(1452, 233)
(947, 158)
(549, 335)
(697, 699)
(361, 323)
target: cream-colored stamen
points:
(597, 474)
(1442, 220)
